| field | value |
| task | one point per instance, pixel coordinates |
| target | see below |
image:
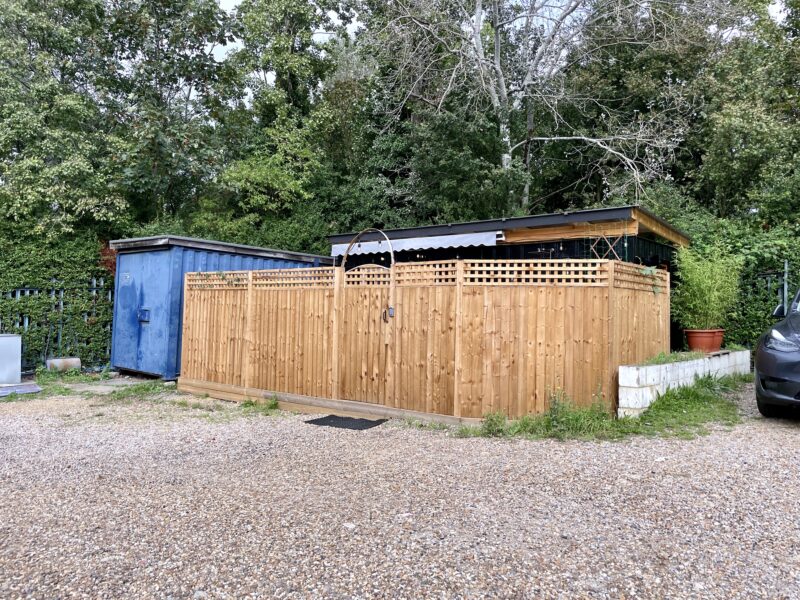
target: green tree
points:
(163, 86)
(56, 168)
(282, 50)
(750, 141)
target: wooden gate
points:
(455, 338)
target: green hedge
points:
(65, 316)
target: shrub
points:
(707, 289)
(65, 315)
(495, 424)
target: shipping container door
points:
(141, 322)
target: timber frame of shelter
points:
(626, 233)
(451, 340)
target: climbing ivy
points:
(47, 285)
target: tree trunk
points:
(505, 136)
(501, 95)
(525, 200)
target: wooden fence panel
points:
(641, 320)
(520, 345)
(291, 341)
(466, 338)
(214, 335)
(424, 344)
(362, 344)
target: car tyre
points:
(769, 411)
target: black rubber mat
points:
(346, 422)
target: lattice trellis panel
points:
(536, 272)
(636, 277)
(321, 277)
(427, 273)
(226, 280)
(557, 272)
(370, 275)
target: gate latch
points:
(387, 313)
(143, 314)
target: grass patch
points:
(44, 376)
(734, 347)
(53, 383)
(138, 391)
(683, 412)
(665, 358)
(195, 405)
(468, 431)
(425, 425)
(50, 387)
(266, 407)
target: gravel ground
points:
(103, 499)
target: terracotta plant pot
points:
(704, 340)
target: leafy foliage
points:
(65, 317)
(707, 288)
(56, 172)
(681, 412)
(126, 117)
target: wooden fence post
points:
(391, 338)
(184, 366)
(611, 393)
(666, 320)
(338, 283)
(457, 345)
(248, 335)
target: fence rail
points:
(458, 338)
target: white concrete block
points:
(653, 374)
(629, 412)
(640, 386)
(635, 397)
(628, 376)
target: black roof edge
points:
(664, 222)
(542, 220)
(166, 241)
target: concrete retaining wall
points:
(639, 386)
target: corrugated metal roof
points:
(164, 241)
(487, 238)
(594, 215)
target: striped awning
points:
(486, 238)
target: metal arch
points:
(358, 236)
(370, 266)
(388, 312)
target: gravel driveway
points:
(141, 500)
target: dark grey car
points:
(777, 363)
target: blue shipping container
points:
(148, 303)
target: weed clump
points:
(495, 424)
(266, 407)
(682, 412)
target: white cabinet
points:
(10, 358)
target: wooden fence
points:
(456, 338)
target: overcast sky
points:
(776, 10)
(228, 4)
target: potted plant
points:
(705, 296)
